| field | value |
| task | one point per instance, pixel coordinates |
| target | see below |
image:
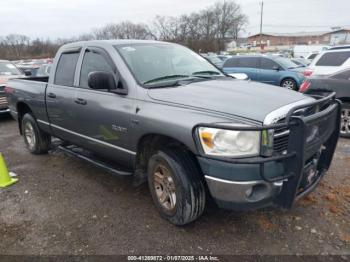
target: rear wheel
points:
(37, 141)
(345, 121)
(176, 186)
(289, 84)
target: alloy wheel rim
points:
(345, 121)
(30, 135)
(288, 84)
(164, 187)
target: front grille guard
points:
(294, 160)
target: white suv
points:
(330, 61)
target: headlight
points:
(229, 143)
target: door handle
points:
(80, 101)
(51, 95)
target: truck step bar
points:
(87, 156)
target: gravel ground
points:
(62, 205)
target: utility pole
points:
(261, 23)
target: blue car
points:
(272, 70)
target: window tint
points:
(231, 62)
(333, 59)
(267, 64)
(345, 75)
(248, 62)
(93, 61)
(66, 69)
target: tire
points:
(37, 142)
(185, 201)
(289, 83)
(345, 120)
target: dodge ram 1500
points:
(162, 113)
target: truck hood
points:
(246, 99)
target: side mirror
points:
(107, 81)
(27, 72)
(277, 68)
(239, 76)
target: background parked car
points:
(44, 70)
(339, 83)
(31, 67)
(273, 70)
(7, 71)
(330, 61)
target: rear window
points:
(333, 59)
(66, 69)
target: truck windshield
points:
(7, 68)
(152, 63)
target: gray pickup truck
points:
(162, 113)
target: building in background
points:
(337, 36)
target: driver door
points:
(103, 118)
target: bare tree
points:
(229, 20)
(17, 44)
(208, 29)
(124, 30)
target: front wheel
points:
(345, 120)
(35, 139)
(289, 84)
(176, 186)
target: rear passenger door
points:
(60, 95)
(267, 71)
(103, 118)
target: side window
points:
(251, 62)
(344, 75)
(267, 64)
(93, 61)
(333, 59)
(66, 69)
(231, 62)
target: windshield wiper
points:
(178, 82)
(208, 72)
(165, 78)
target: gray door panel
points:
(105, 119)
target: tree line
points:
(207, 30)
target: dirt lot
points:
(61, 205)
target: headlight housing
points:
(229, 143)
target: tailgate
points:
(3, 100)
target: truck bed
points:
(30, 90)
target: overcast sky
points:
(67, 18)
